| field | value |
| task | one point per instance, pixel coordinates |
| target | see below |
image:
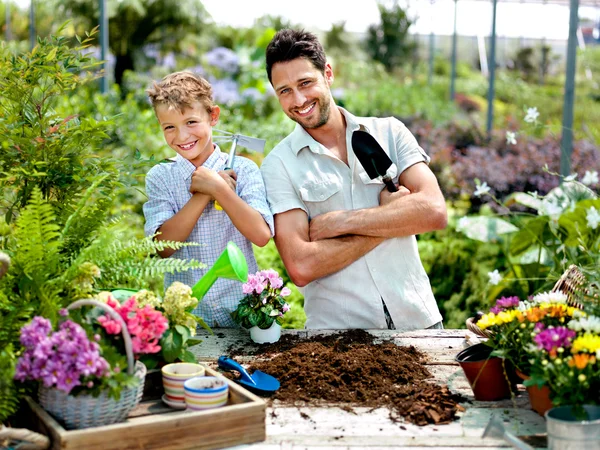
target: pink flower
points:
(285, 292)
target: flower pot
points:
(539, 398)
(488, 375)
(174, 375)
(205, 393)
(271, 334)
(566, 431)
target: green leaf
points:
(191, 342)
(188, 356)
(486, 229)
(533, 233)
(171, 344)
(184, 332)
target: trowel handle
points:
(229, 364)
(391, 187)
(231, 154)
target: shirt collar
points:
(215, 161)
(300, 139)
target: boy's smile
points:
(189, 133)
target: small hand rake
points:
(251, 143)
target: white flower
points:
(482, 189)
(511, 138)
(550, 208)
(550, 297)
(590, 178)
(593, 217)
(495, 277)
(590, 323)
(571, 177)
(532, 115)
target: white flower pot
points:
(271, 334)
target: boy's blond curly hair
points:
(180, 90)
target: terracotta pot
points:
(488, 375)
(539, 398)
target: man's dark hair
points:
(288, 45)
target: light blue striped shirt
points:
(168, 190)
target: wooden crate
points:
(153, 425)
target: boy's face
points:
(189, 133)
(303, 91)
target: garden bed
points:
(351, 369)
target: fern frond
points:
(37, 236)
(82, 205)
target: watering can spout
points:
(231, 264)
(495, 429)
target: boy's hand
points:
(230, 178)
(206, 181)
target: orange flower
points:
(557, 310)
(581, 360)
(535, 314)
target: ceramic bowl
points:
(173, 377)
(205, 392)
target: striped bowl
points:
(173, 377)
(205, 393)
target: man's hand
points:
(327, 225)
(386, 197)
(206, 181)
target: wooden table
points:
(331, 427)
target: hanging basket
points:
(85, 411)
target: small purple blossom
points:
(505, 303)
(60, 358)
(552, 338)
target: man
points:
(341, 235)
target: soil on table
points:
(350, 369)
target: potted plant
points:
(263, 306)
(535, 335)
(86, 368)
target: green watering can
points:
(230, 264)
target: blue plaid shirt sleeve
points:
(161, 205)
(251, 189)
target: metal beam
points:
(566, 142)
(492, 69)
(453, 72)
(32, 40)
(104, 45)
(7, 33)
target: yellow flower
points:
(588, 342)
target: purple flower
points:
(223, 58)
(504, 303)
(552, 338)
(35, 331)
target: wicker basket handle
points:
(112, 313)
(30, 440)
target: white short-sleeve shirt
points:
(300, 173)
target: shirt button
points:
(322, 196)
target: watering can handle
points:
(229, 364)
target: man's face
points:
(303, 91)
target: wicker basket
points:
(571, 283)
(84, 411)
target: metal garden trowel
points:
(259, 381)
(373, 158)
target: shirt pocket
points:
(321, 196)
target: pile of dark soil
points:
(350, 369)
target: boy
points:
(182, 193)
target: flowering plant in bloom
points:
(264, 302)
(514, 325)
(566, 358)
(177, 306)
(73, 359)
